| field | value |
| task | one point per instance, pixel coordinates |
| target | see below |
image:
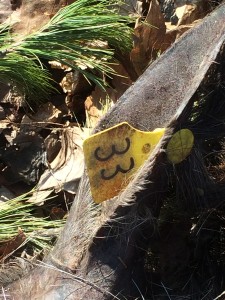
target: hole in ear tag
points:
(180, 146)
(112, 156)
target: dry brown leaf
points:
(172, 35)
(149, 42)
(4, 124)
(130, 7)
(57, 65)
(148, 38)
(46, 113)
(67, 83)
(53, 145)
(34, 14)
(193, 12)
(66, 169)
(99, 102)
(57, 213)
(11, 245)
(5, 10)
(11, 134)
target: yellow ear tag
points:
(180, 146)
(112, 156)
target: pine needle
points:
(16, 214)
(29, 78)
(72, 37)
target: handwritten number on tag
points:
(114, 151)
(118, 167)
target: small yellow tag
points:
(180, 146)
(112, 156)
